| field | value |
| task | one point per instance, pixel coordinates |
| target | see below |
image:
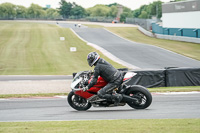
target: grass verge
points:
(94, 26)
(32, 95)
(175, 89)
(160, 89)
(191, 50)
(107, 126)
(36, 49)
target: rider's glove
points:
(85, 88)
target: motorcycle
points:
(136, 96)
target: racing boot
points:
(117, 99)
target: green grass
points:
(32, 95)
(105, 126)
(175, 89)
(191, 50)
(36, 49)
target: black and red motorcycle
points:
(135, 96)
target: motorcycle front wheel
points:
(142, 94)
(77, 102)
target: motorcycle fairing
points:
(128, 76)
(100, 84)
(93, 90)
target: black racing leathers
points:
(106, 71)
(112, 76)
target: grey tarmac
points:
(143, 56)
(57, 109)
(140, 55)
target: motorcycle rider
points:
(109, 74)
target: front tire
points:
(140, 93)
(77, 102)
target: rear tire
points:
(142, 94)
(77, 102)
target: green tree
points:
(35, 11)
(98, 10)
(1, 11)
(126, 13)
(8, 10)
(148, 11)
(77, 11)
(113, 11)
(43, 14)
(113, 4)
(143, 15)
(50, 13)
(56, 15)
(136, 13)
(21, 11)
(126, 9)
(65, 8)
(156, 9)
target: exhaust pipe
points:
(129, 99)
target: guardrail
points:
(169, 37)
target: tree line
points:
(74, 11)
(11, 11)
(152, 10)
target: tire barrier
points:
(183, 77)
(149, 78)
(167, 77)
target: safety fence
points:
(169, 37)
(144, 23)
(70, 18)
(167, 77)
(157, 29)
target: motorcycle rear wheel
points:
(142, 94)
(77, 102)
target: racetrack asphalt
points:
(50, 109)
(140, 55)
